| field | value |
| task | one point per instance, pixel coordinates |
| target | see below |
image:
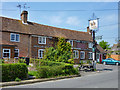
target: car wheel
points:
(117, 64)
(104, 63)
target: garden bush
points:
(1, 61)
(48, 71)
(45, 62)
(12, 71)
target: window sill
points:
(15, 41)
(42, 43)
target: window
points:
(40, 53)
(76, 54)
(41, 40)
(14, 37)
(71, 42)
(90, 55)
(16, 53)
(6, 53)
(82, 55)
(90, 45)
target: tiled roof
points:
(13, 25)
(100, 49)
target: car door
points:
(109, 61)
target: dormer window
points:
(41, 40)
(14, 37)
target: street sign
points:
(93, 24)
(98, 37)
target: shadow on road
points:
(105, 69)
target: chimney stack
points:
(89, 31)
(24, 16)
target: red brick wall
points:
(22, 45)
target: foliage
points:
(71, 61)
(49, 54)
(21, 60)
(32, 73)
(11, 71)
(45, 62)
(88, 61)
(104, 44)
(117, 52)
(17, 79)
(2, 61)
(62, 52)
(48, 71)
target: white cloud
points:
(56, 20)
(73, 20)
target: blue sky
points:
(75, 20)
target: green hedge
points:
(45, 63)
(62, 70)
(12, 71)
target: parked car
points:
(110, 61)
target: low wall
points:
(116, 57)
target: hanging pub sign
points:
(93, 24)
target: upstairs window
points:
(90, 45)
(76, 54)
(42, 40)
(71, 42)
(82, 55)
(14, 37)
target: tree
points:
(104, 44)
(62, 53)
(63, 50)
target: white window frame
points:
(76, 51)
(70, 43)
(90, 55)
(83, 56)
(15, 37)
(18, 53)
(98, 55)
(39, 53)
(8, 52)
(42, 40)
(90, 45)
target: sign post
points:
(93, 25)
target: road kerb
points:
(35, 80)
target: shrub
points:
(11, 71)
(48, 71)
(2, 61)
(17, 79)
(32, 73)
(71, 61)
(21, 60)
(45, 63)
